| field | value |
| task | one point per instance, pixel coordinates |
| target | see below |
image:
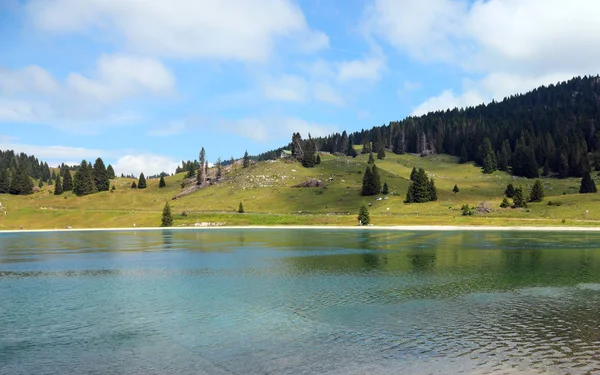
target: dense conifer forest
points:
(555, 129)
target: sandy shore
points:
(318, 227)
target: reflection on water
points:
(299, 302)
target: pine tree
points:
(371, 159)
(510, 191)
(67, 179)
(505, 203)
(504, 156)
(375, 180)
(537, 191)
(367, 182)
(318, 161)
(518, 198)
(432, 191)
(161, 183)
(167, 218)
(20, 183)
(455, 189)
(101, 178)
(241, 208)
(420, 190)
(4, 182)
(58, 187)
(381, 153)
(133, 185)
(83, 182)
(308, 160)
(385, 190)
(413, 174)
(488, 165)
(219, 169)
(246, 160)
(142, 181)
(201, 177)
(363, 215)
(587, 184)
(111, 172)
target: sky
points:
(145, 84)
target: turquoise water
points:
(299, 302)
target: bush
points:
(505, 203)
(467, 211)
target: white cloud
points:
(369, 69)
(32, 95)
(448, 99)
(272, 128)
(288, 88)
(515, 45)
(120, 76)
(149, 164)
(56, 153)
(228, 29)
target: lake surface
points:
(299, 302)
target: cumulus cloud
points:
(33, 95)
(169, 129)
(288, 88)
(515, 45)
(226, 29)
(149, 164)
(273, 128)
(369, 69)
(55, 153)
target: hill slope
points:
(266, 189)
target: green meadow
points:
(270, 198)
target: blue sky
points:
(146, 84)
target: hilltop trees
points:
(141, 181)
(421, 189)
(67, 179)
(246, 160)
(587, 184)
(21, 183)
(167, 218)
(101, 176)
(111, 172)
(83, 182)
(58, 187)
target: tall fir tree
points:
(510, 191)
(201, 177)
(376, 180)
(67, 179)
(371, 159)
(142, 181)
(504, 156)
(519, 199)
(308, 160)
(381, 153)
(4, 182)
(363, 215)
(432, 191)
(83, 182)
(420, 190)
(167, 217)
(162, 183)
(385, 190)
(587, 184)
(367, 182)
(246, 160)
(101, 176)
(21, 183)
(58, 187)
(111, 172)
(537, 191)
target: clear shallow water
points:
(299, 302)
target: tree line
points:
(555, 128)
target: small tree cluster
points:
(83, 182)
(421, 189)
(371, 184)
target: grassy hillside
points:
(269, 198)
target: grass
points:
(269, 198)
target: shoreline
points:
(322, 227)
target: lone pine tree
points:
(58, 187)
(142, 181)
(537, 191)
(363, 215)
(161, 183)
(101, 176)
(587, 184)
(167, 217)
